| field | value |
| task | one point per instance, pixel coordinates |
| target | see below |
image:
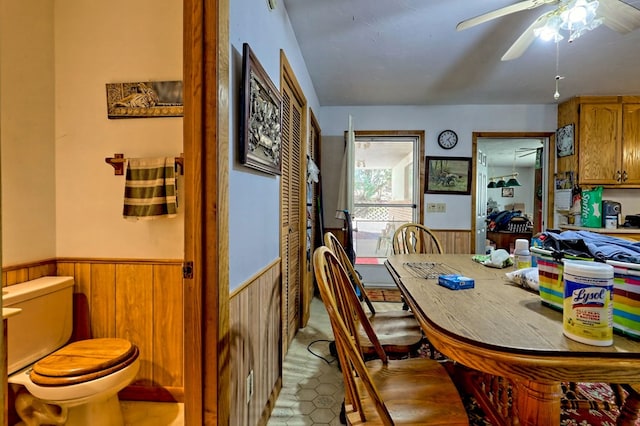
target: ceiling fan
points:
(615, 14)
(526, 151)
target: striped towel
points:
(150, 188)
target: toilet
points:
(60, 383)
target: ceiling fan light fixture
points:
(575, 16)
(579, 16)
(550, 30)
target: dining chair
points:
(412, 238)
(416, 391)
(398, 330)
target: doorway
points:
(501, 155)
(388, 175)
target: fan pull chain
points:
(556, 95)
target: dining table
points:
(499, 328)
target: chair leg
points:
(343, 414)
(405, 306)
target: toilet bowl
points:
(63, 384)
(83, 379)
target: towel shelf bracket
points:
(118, 160)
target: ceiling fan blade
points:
(526, 38)
(619, 16)
(507, 10)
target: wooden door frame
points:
(509, 135)
(206, 230)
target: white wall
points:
(27, 127)
(254, 197)
(521, 194)
(628, 198)
(109, 42)
(464, 119)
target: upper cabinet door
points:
(600, 144)
(631, 144)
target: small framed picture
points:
(507, 192)
(564, 140)
(448, 175)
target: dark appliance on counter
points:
(632, 221)
(611, 209)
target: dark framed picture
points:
(507, 192)
(564, 140)
(260, 117)
(448, 175)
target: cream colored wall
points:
(59, 198)
(98, 43)
(26, 130)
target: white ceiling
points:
(500, 152)
(408, 52)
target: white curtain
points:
(345, 191)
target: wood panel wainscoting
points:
(139, 300)
(255, 342)
(454, 241)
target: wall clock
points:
(447, 139)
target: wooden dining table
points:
(501, 329)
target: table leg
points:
(630, 408)
(538, 404)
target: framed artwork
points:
(448, 175)
(260, 117)
(564, 140)
(507, 192)
(145, 99)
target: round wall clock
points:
(447, 139)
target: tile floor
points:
(312, 390)
(138, 413)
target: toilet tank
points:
(45, 323)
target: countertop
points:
(9, 312)
(619, 230)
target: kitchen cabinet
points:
(630, 164)
(607, 139)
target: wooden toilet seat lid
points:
(91, 358)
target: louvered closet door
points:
(312, 237)
(292, 191)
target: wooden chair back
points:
(417, 391)
(332, 280)
(331, 241)
(398, 331)
(412, 238)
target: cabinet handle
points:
(624, 176)
(618, 176)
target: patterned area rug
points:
(583, 404)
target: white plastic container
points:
(521, 254)
(588, 302)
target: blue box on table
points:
(456, 282)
